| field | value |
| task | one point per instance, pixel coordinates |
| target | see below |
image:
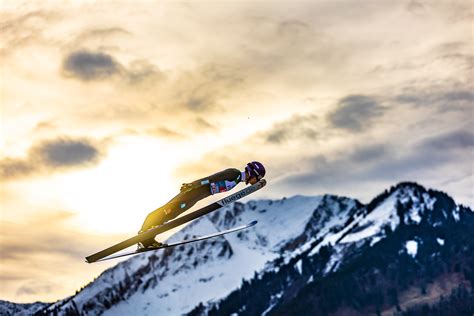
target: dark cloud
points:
(410, 165)
(369, 153)
(355, 113)
(422, 99)
(196, 103)
(15, 168)
(409, 98)
(298, 127)
(66, 152)
(459, 96)
(451, 141)
(88, 65)
(276, 136)
(51, 155)
(423, 160)
(389, 163)
(93, 64)
(443, 101)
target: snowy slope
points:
(407, 203)
(175, 280)
(7, 308)
(405, 238)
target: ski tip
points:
(253, 223)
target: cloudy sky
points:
(107, 107)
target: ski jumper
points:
(191, 193)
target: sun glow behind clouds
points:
(116, 196)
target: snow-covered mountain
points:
(8, 308)
(175, 280)
(298, 242)
(408, 252)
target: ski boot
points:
(149, 243)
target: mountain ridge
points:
(353, 276)
(291, 232)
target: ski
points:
(182, 242)
(151, 233)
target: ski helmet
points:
(255, 169)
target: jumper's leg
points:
(179, 204)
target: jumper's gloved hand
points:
(185, 187)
